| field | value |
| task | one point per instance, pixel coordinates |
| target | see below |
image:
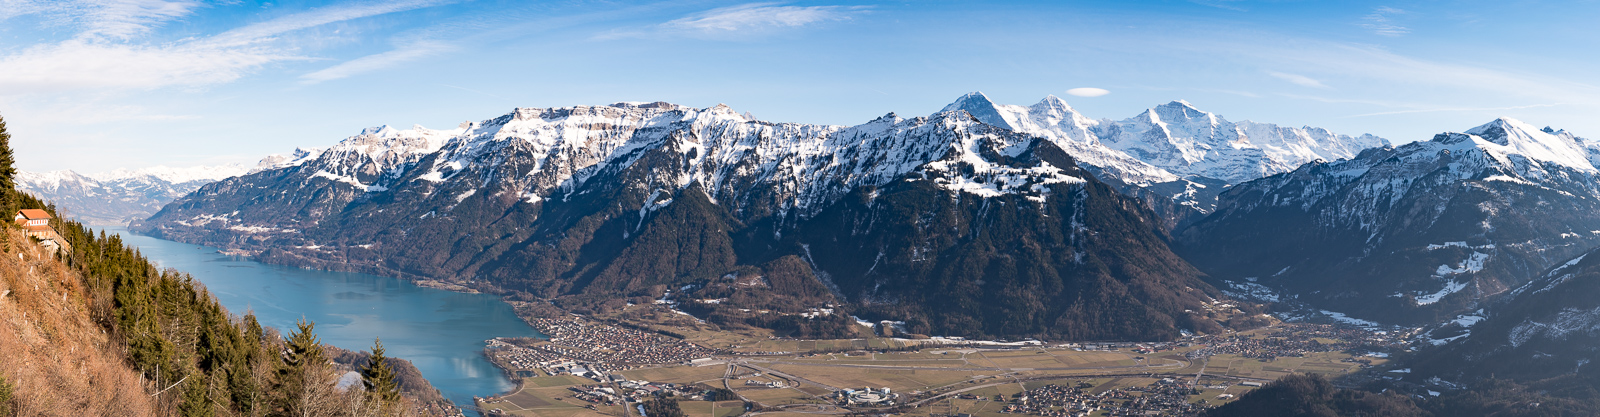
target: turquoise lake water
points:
(442, 332)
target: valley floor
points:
(598, 366)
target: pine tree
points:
(379, 378)
(195, 401)
(301, 383)
(8, 172)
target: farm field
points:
(786, 376)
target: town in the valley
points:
(597, 366)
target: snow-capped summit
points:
(1169, 141)
(980, 107)
(1433, 226)
(1175, 147)
(275, 161)
(205, 173)
(1191, 142)
(523, 199)
(1517, 138)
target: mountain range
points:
(1016, 221)
(571, 203)
(1411, 234)
(121, 196)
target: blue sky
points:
(93, 86)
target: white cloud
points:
(1377, 64)
(125, 19)
(760, 15)
(1088, 92)
(1298, 79)
(102, 19)
(77, 64)
(376, 62)
(745, 19)
(1381, 22)
(102, 55)
(1458, 109)
(265, 30)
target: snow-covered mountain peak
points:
(1181, 112)
(298, 157)
(1518, 138)
(981, 108)
(1051, 101)
(377, 130)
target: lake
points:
(442, 332)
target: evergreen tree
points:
(301, 382)
(8, 172)
(379, 378)
(195, 401)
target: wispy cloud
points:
(77, 64)
(1381, 22)
(376, 62)
(266, 30)
(746, 19)
(103, 54)
(125, 19)
(1298, 79)
(760, 16)
(1457, 109)
(102, 19)
(1377, 64)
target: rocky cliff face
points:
(588, 204)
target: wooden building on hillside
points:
(36, 224)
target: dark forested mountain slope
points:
(1414, 233)
(951, 224)
(1546, 328)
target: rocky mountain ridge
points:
(588, 204)
(1409, 234)
(1174, 157)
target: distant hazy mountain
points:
(1410, 234)
(117, 197)
(120, 196)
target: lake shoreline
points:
(441, 328)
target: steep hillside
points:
(586, 204)
(58, 360)
(1546, 328)
(1409, 234)
(94, 328)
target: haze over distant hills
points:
(122, 195)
